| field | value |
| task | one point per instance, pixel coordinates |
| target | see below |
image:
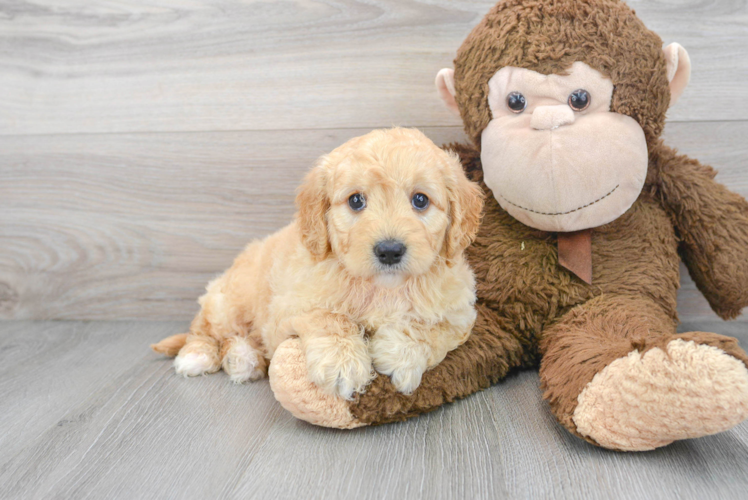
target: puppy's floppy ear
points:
(465, 208)
(313, 203)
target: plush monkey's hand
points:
(485, 358)
(713, 224)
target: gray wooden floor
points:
(89, 412)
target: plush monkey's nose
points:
(550, 117)
(389, 252)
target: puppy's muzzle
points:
(389, 252)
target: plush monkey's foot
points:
(642, 402)
(290, 383)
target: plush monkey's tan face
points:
(554, 155)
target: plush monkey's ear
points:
(445, 84)
(313, 203)
(465, 208)
(678, 70)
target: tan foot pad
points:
(306, 401)
(644, 402)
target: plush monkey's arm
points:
(484, 359)
(713, 224)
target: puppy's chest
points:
(387, 307)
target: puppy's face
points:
(388, 205)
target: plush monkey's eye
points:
(420, 201)
(516, 102)
(579, 100)
(357, 202)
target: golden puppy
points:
(370, 272)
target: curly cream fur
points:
(318, 278)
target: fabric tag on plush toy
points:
(575, 253)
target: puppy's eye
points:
(516, 102)
(357, 202)
(420, 201)
(579, 100)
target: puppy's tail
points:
(170, 346)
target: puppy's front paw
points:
(406, 379)
(339, 365)
(401, 358)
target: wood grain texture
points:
(117, 422)
(112, 226)
(170, 65)
(45, 368)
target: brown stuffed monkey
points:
(587, 218)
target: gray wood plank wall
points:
(142, 144)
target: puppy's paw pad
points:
(193, 364)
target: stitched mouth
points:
(561, 213)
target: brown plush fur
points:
(530, 307)
(548, 36)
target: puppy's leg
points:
(405, 353)
(241, 360)
(214, 323)
(198, 356)
(337, 357)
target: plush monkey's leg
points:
(485, 358)
(616, 374)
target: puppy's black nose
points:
(389, 252)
